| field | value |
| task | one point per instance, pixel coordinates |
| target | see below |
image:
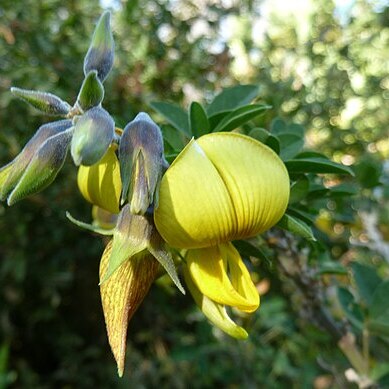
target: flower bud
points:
(11, 173)
(130, 263)
(91, 92)
(121, 296)
(93, 133)
(141, 163)
(45, 102)
(43, 167)
(101, 50)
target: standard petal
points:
(255, 177)
(215, 312)
(100, 184)
(209, 270)
(121, 296)
(195, 209)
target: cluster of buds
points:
(119, 172)
(88, 129)
(221, 187)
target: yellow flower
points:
(100, 183)
(222, 187)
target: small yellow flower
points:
(100, 183)
(222, 187)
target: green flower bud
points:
(141, 163)
(91, 92)
(45, 102)
(11, 173)
(101, 50)
(93, 133)
(43, 167)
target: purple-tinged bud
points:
(45, 102)
(141, 163)
(43, 167)
(11, 173)
(101, 50)
(93, 133)
(91, 92)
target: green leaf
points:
(277, 126)
(368, 172)
(305, 216)
(366, 279)
(290, 144)
(240, 116)
(331, 267)
(296, 226)
(317, 191)
(311, 154)
(296, 129)
(176, 140)
(350, 308)
(259, 134)
(273, 143)
(174, 115)
(299, 190)
(343, 190)
(232, 98)
(214, 120)
(316, 165)
(379, 310)
(199, 123)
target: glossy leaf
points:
(296, 226)
(290, 144)
(259, 134)
(366, 279)
(240, 116)
(174, 115)
(232, 98)
(199, 123)
(299, 190)
(379, 310)
(316, 165)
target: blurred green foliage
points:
(328, 74)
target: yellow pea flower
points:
(100, 183)
(222, 187)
